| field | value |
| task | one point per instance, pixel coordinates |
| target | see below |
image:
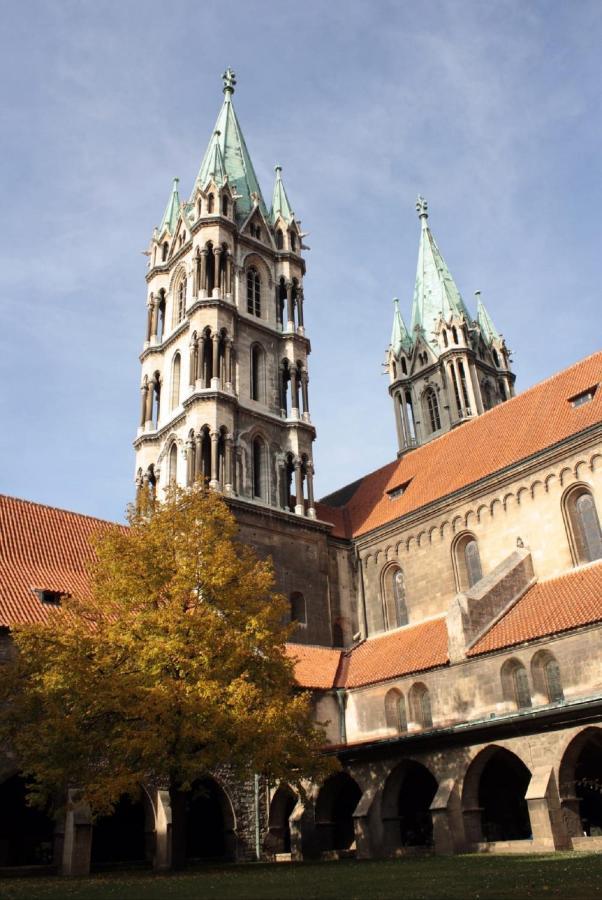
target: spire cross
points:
(422, 208)
(229, 81)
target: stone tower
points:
(449, 367)
(224, 363)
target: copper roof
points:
(513, 431)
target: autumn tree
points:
(171, 667)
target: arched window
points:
(496, 358)
(199, 208)
(432, 404)
(175, 381)
(503, 391)
(210, 203)
(547, 681)
(395, 711)
(455, 334)
(467, 561)
(404, 366)
(225, 206)
(253, 292)
(293, 241)
(420, 706)
(164, 251)
(583, 525)
(180, 302)
(394, 598)
(409, 408)
(445, 340)
(515, 684)
(161, 317)
(257, 373)
(487, 396)
(279, 239)
(298, 611)
(259, 469)
(173, 464)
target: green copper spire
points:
(400, 339)
(280, 203)
(227, 155)
(435, 293)
(170, 216)
(490, 332)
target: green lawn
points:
(566, 875)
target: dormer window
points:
(399, 490)
(584, 397)
(48, 597)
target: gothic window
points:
(253, 292)
(199, 208)
(445, 341)
(409, 409)
(210, 203)
(455, 334)
(175, 381)
(420, 706)
(553, 681)
(547, 682)
(404, 366)
(463, 386)
(224, 205)
(432, 404)
(180, 302)
(156, 401)
(164, 251)
(173, 464)
(279, 239)
(210, 268)
(395, 711)
(503, 391)
(259, 469)
(293, 242)
(394, 598)
(161, 317)
(515, 684)
(281, 301)
(298, 610)
(467, 561)
(496, 358)
(257, 373)
(585, 536)
(487, 396)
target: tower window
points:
(394, 598)
(257, 373)
(210, 203)
(293, 242)
(164, 251)
(225, 206)
(279, 239)
(180, 304)
(175, 381)
(253, 292)
(496, 358)
(583, 397)
(259, 469)
(515, 684)
(467, 561)
(455, 334)
(583, 523)
(173, 464)
(298, 610)
(432, 404)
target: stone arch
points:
(466, 560)
(579, 779)
(468, 518)
(595, 462)
(516, 689)
(432, 532)
(582, 464)
(409, 542)
(482, 511)
(496, 506)
(521, 494)
(566, 474)
(537, 488)
(493, 796)
(336, 802)
(420, 538)
(405, 808)
(282, 804)
(125, 835)
(508, 501)
(176, 276)
(549, 481)
(457, 522)
(27, 834)
(203, 823)
(546, 677)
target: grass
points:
(568, 875)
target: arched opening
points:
(515, 684)
(285, 377)
(253, 292)
(164, 251)
(404, 366)
(583, 524)
(546, 677)
(175, 381)
(455, 334)
(293, 238)
(205, 458)
(210, 267)
(494, 790)
(199, 208)
(281, 809)
(409, 409)
(173, 464)
(210, 203)
(259, 453)
(421, 714)
(203, 826)
(123, 836)
(487, 396)
(407, 796)
(580, 781)
(155, 387)
(280, 300)
(336, 803)
(279, 239)
(467, 561)
(258, 373)
(225, 206)
(161, 317)
(432, 410)
(288, 471)
(26, 832)
(221, 458)
(179, 302)
(496, 358)
(298, 610)
(394, 597)
(395, 711)
(445, 338)
(503, 394)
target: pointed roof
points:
(435, 292)
(170, 216)
(490, 332)
(227, 156)
(399, 336)
(280, 202)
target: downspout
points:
(362, 598)
(257, 830)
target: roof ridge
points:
(574, 570)
(71, 512)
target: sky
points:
(491, 110)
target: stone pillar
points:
(300, 309)
(455, 398)
(290, 312)
(217, 272)
(305, 394)
(149, 319)
(150, 390)
(163, 831)
(227, 374)
(154, 322)
(215, 361)
(547, 823)
(144, 393)
(77, 843)
(228, 481)
(470, 388)
(193, 363)
(572, 816)
(476, 389)
(229, 275)
(299, 505)
(311, 510)
(294, 393)
(214, 442)
(203, 279)
(198, 456)
(200, 363)
(189, 462)
(441, 816)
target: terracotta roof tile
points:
(410, 649)
(315, 667)
(513, 431)
(551, 606)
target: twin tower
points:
(224, 366)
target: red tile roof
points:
(513, 431)
(315, 667)
(45, 548)
(402, 652)
(551, 606)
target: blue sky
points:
(489, 109)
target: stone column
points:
(300, 309)
(474, 408)
(228, 363)
(149, 319)
(154, 322)
(547, 824)
(215, 361)
(228, 482)
(144, 392)
(277, 302)
(214, 442)
(290, 312)
(311, 510)
(476, 389)
(305, 394)
(189, 461)
(200, 363)
(77, 843)
(229, 275)
(217, 273)
(294, 393)
(193, 363)
(163, 831)
(299, 505)
(203, 279)
(198, 456)
(150, 390)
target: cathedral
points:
(447, 606)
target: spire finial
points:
(396, 302)
(278, 170)
(422, 208)
(229, 81)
